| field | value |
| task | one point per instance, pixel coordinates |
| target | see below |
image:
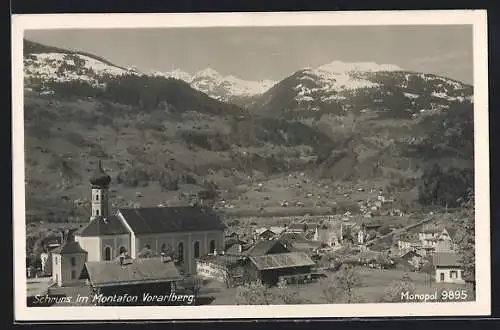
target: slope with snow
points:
(61, 67)
(220, 87)
(340, 86)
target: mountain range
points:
(165, 132)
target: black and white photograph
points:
(204, 166)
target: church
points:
(186, 232)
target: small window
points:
(196, 249)
(73, 274)
(180, 252)
(107, 253)
(442, 276)
(96, 212)
(96, 197)
(56, 260)
(453, 274)
(73, 261)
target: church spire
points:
(100, 185)
(100, 178)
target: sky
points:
(258, 53)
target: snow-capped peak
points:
(207, 72)
(216, 85)
(343, 67)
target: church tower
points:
(100, 193)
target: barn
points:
(293, 267)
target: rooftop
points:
(102, 226)
(153, 220)
(69, 247)
(282, 260)
(446, 259)
(136, 271)
(264, 247)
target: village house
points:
(187, 231)
(67, 262)
(49, 244)
(227, 269)
(133, 278)
(264, 233)
(305, 228)
(448, 268)
(329, 237)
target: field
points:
(374, 285)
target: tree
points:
(193, 284)
(465, 237)
(341, 287)
(397, 288)
(288, 295)
(254, 293)
(146, 253)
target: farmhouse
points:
(261, 248)
(271, 268)
(448, 268)
(186, 231)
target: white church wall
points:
(91, 245)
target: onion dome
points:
(100, 178)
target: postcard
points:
(250, 165)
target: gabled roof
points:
(102, 226)
(277, 230)
(261, 248)
(281, 260)
(233, 248)
(69, 248)
(136, 271)
(288, 238)
(154, 220)
(446, 259)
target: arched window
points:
(96, 212)
(212, 246)
(107, 253)
(180, 252)
(196, 249)
(122, 250)
(97, 197)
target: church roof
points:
(154, 220)
(100, 178)
(69, 248)
(102, 226)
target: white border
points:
(482, 306)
